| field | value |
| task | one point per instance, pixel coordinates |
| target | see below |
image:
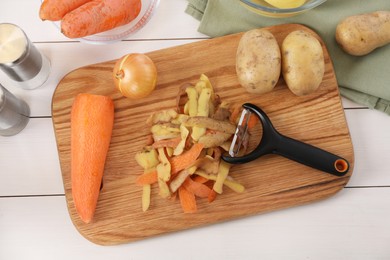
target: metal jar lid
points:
(19, 58)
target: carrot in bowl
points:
(98, 16)
(92, 119)
(54, 10)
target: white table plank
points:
(29, 161)
(163, 24)
(369, 130)
(353, 224)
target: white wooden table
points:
(34, 222)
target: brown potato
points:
(361, 34)
(258, 61)
(303, 64)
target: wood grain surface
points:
(272, 182)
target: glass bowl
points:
(121, 32)
(263, 8)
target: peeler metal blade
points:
(241, 133)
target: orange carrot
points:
(147, 178)
(200, 179)
(186, 159)
(199, 189)
(187, 200)
(54, 10)
(173, 142)
(92, 119)
(98, 16)
(212, 196)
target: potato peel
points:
(203, 126)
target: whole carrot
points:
(92, 119)
(54, 10)
(98, 16)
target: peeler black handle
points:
(311, 156)
(272, 142)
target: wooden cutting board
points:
(272, 182)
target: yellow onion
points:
(135, 75)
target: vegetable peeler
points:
(272, 142)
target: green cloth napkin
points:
(365, 79)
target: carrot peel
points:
(187, 200)
(186, 159)
(147, 178)
(199, 189)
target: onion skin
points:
(135, 75)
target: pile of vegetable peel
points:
(183, 157)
